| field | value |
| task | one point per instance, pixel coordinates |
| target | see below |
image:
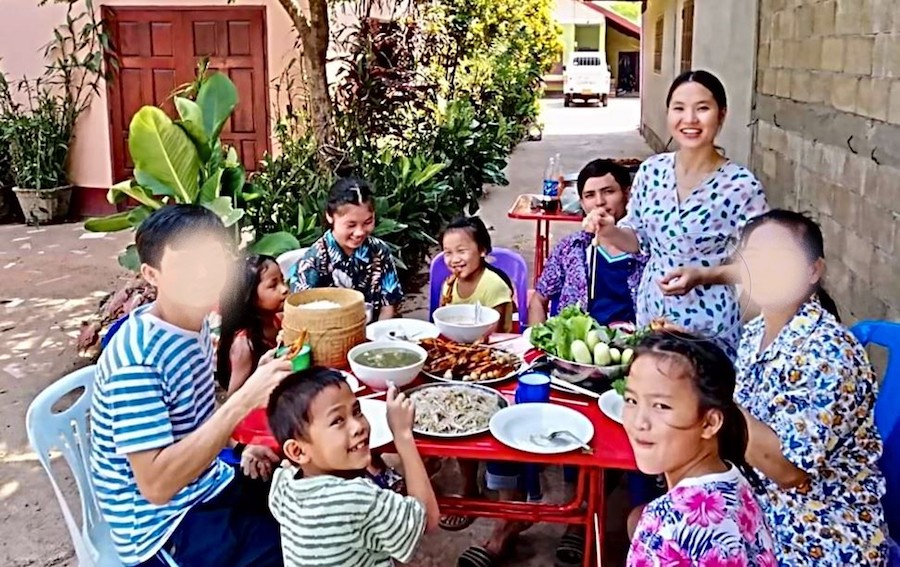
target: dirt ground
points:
(52, 278)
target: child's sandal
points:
(477, 556)
(570, 550)
(455, 523)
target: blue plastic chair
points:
(887, 416)
(66, 431)
(512, 264)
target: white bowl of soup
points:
(379, 362)
(457, 322)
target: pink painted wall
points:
(25, 28)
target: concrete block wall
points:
(827, 137)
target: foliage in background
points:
(427, 107)
(495, 57)
(629, 10)
(181, 161)
(38, 115)
(290, 188)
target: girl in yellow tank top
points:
(466, 244)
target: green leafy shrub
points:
(427, 109)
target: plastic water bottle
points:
(552, 175)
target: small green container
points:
(302, 361)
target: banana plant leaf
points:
(163, 150)
(192, 122)
(217, 98)
(111, 223)
(275, 244)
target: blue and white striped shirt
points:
(154, 386)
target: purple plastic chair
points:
(512, 264)
(886, 334)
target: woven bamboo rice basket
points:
(332, 332)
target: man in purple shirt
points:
(567, 277)
(600, 279)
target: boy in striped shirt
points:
(154, 436)
(330, 515)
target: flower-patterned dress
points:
(708, 521)
(700, 231)
(815, 388)
(370, 270)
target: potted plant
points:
(38, 116)
(38, 133)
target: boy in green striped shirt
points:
(330, 515)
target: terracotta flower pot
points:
(41, 206)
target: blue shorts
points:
(235, 528)
(505, 475)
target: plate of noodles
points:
(453, 410)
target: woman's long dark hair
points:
(714, 378)
(808, 234)
(476, 228)
(239, 313)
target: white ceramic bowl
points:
(378, 378)
(457, 322)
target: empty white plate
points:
(376, 412)
(396, 329)
(612, 404)
(518, 426)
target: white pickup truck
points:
(587, 77)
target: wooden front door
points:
(158, 50)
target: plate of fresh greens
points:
(581, 349)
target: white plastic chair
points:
(67, 431)
(287, 260)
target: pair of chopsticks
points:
(572, 388)
(592, 269)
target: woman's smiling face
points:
(694, 118)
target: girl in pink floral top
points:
(683, 423)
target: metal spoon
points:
(553, 437)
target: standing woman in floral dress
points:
(685, 212)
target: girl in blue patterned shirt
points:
(347, 255)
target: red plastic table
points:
(611, 450)
(521, 210)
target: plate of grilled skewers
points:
(473, 363)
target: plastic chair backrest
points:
(512, 264)
(287, 260)
(112, 331)
(887, 417)
(67, 432)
